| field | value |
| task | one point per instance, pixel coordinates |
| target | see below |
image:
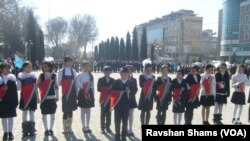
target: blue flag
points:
(18, 62)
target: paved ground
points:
(95, 122)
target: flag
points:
(18, 62)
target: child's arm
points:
(213, 86)
(99, 85)
(141, 82)
(234, 83)
(56, 88)
(59, 78)
(247, 82)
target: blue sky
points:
(116, 17)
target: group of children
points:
(186, 94)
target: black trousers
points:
(121, 116)
(189, 115)
(105, 117)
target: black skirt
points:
(193, 104)
(145, 104)
(32, 106)
(221, 99)
(132, 102)
(207, 100)
(84, 101)
(48, 106)
(238, 98)
(178, 107)
(7, 113)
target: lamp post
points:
(231, 45)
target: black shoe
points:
(204, 123)
(208, 123)
(89, 131)
(85, 130)
(5, 136)
(47, 133)
(51, 132)
(117, 137)
(234, 121)
(32, 134)
(238, 121)
(108, 130)
(11, 136)
(25, 134)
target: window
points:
(247, 19)
(248, 9)
(246, 36)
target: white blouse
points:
(213, 84)
(239, 78)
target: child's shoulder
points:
(11, 77)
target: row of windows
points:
(235, 48)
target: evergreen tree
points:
(128, 47)
(122, 49)
(112, 47)
(96, 53)
(117, 46)
(107, 50)
(144, 44)
(152, 52)
(41, 48)
(32, 38)
(135, 46)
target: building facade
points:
(209, 50)
(176, 35)
(235, 30)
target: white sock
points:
(52, 121)
(240, 110)
(83, 117)
(180, 118)
(4, 124)
(32, 116)
(235, 110)
(45, 122)
(220, 109)
(216, 108)
(130, 119)
(175, 118)
(10, 124)
(88, 113)
(25, 113)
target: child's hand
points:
(38, 101)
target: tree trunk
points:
(84, 53)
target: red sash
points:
(147, 88)
(161, 89)
(177, 93)
(115, 98)
(86, 87)
(194, 88)
(2, 92)
(207, 85)
(66, 86)
(44, 88)
(27, 92)
(105, 92)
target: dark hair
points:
(241, 66)
(49, 64)
(107, 68)
(196, 68)
(85, 63)
(4, 65)
(181, 71)
(124, 70)
(148, 66)
(209, 66)
(130, 67)
(68, 59)
(26, 63)
(164, 66)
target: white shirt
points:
(124, 81)
(82, 77)
(67, 73)
(239, 78)
(213, 84)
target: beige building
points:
(244, 34)
(177, 35)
